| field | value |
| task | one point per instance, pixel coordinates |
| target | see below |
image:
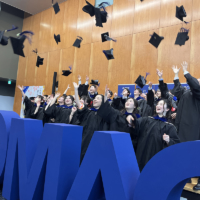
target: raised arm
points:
(21, 89)
(76, 95)
(65, 92)
(150, 96)
(106, 93)
(54, 99)
(192, 82)
(162, 86)
(178, 89)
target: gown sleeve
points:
(194, 85)
(178, 89)
(172, 132)
(116, 103)
(50, 111)
(82, 114)
(28, 103)
(163, 88)
(83, 90)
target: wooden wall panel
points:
(84, 23)
(67, 60)
(81, 62)
(52, 66)
(168, 12)
(122, 18)
(30, 71)
(97, 31)
(21, 74)
(195, 49)
(144, 57)
(99, 64)
(70, 23)
(170, 54)
(146, 16)
(195, 11)
(45, 31)
(119, 68)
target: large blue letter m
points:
(41, 164)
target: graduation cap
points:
(95, 82)
(105, 37)
(67, 72)
(56, 7)
(4, 39)
(101, 15)
(17, 45)
(89, 8)
(109, 54)
(180, 13)
(182, 37)
(39, 59)
(78, 41)
(141, 81)
(155, 40)
(57, 38)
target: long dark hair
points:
(86, 99)
(135, 111)
(168, 114)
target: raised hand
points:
(75, 85)
(57, 95)
(150, 84)
(185, 66)
(115, 95)
(87, 78)
(176, 70)
(173, 116)
(21, 88)
(166, 138)
(74, 109)
(129, 119)
(159, 73)
(68, 87)
(79, 77)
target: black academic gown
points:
(118, 103)
(150, 138)
(116, 121)
(60, 114)
(91, 122)
(146, 108)
(188, 111)
(30, 110)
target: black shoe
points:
(197, 187)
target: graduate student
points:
(188, 111)
(61, 114)
(153, 133)
(89, 119)
(119, 102)
(33, 110)
(137, 94)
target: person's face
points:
(161, 108)
(97, 101)
(68, 101)
(130, 104)
(125, 92)
(44, 98)
(158, 94)
(136, 92)
(37, 99)
(108, 95)
(92, 89)
(61, 100)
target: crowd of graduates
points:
(154, 120)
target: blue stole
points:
(160, 118)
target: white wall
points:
(6, 103)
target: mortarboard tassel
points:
(35, 51)
(147, 73)
(12, 29)
(70, 67)
(27, 34)
(109, 38)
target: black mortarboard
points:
(109, 54)
(77, 42)
(155, 40)
(56, 7)
(89, 8)
(67, 72)
(17, 45)
(180, 12)
(101, 16)
(141, 82)
(3, 39)
(105, 37)
(39, 61)
(57, 38)
(182, 37)
(94, 82)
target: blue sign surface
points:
(131, 87)
(97, 2)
